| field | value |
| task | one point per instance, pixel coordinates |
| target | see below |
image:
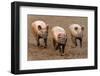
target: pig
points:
(76, 32)
(59, 38)
(40, 31)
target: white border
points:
(26, 65)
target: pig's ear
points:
(76, 28)
(82, 28)
(39, 27)
(47, 26)
(59, 35)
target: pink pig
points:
(59, 38)
(40, 31)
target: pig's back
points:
(56, 31)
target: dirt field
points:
(35, 53)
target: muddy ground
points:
(35, 53)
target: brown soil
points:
(39, 53)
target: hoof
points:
(45, 46)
